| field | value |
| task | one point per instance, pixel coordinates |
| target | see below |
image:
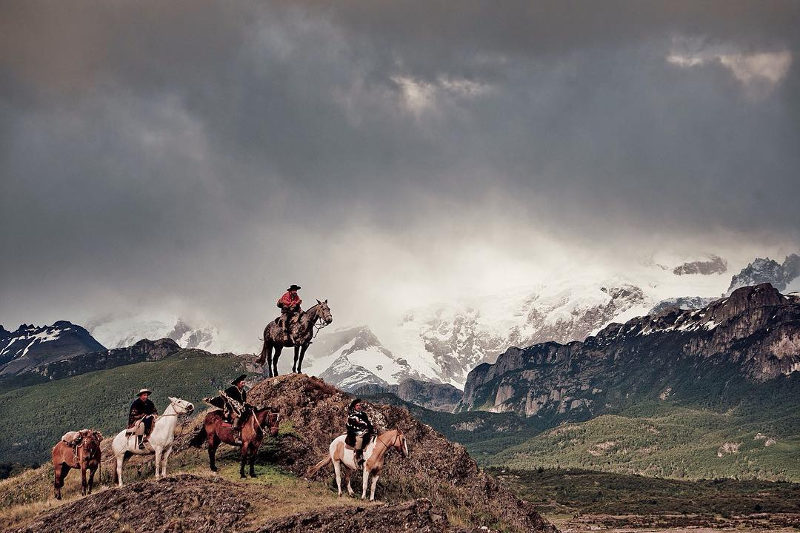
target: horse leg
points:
(364, 483)
(347, 476)
(120, 460)
(337, 466)
(164, 461)
(268, 348)
(243, 454)
(302, 354)
(84, 482)
(91, 478)
(159, 450)
(278, 350)
(375, 477)
(253, 462)
(59, 473)
(212, 459)
(296, 357)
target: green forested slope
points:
(33, 418)
(671, 441)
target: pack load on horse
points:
(76, 449)
(359, 429)
(340, 453)
(162, 436)
(294, 328)
(236, 422)
(140, 417)
(233, 402)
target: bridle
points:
(393, 444)
(319, 323)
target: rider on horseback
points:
(290, 309)
(233, 402)
(145, 410)
(359, 429)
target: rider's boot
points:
(360, 459)
(237, 433)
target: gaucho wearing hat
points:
(290, 309)
(145, 410)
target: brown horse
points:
(85, 456)
(216, 430)
(276, 339)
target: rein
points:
(387, 446)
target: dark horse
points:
(216, 430)
(275, 337)
(85, 456)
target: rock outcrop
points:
(437, 469)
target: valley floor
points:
(775, 523)
(579, 501)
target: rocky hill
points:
(714, 354)
(438, 488)
(30, 346)
(437, 468)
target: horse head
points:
(91, 441)
(324, 312)
(270, 420)
(182, 407)
(400, 444)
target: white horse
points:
(374, 456)
(161, 438)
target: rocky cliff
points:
(749, 339)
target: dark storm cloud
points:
(156, 147)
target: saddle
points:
(72, 438)
(136, 429)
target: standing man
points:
(290, 309)
(145, 410)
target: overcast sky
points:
(198, 157)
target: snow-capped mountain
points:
(352, 357)
(443, 342)
(120, 332)
(31, 345)
(784, 277)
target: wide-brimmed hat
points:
(294, 287)
(240, 378)
(142, 391)
(355, 402)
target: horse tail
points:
(199, 437)
(312, 471)
(263, 357)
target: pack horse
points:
(84, 454)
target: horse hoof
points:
(214, 469)
(253, 475)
